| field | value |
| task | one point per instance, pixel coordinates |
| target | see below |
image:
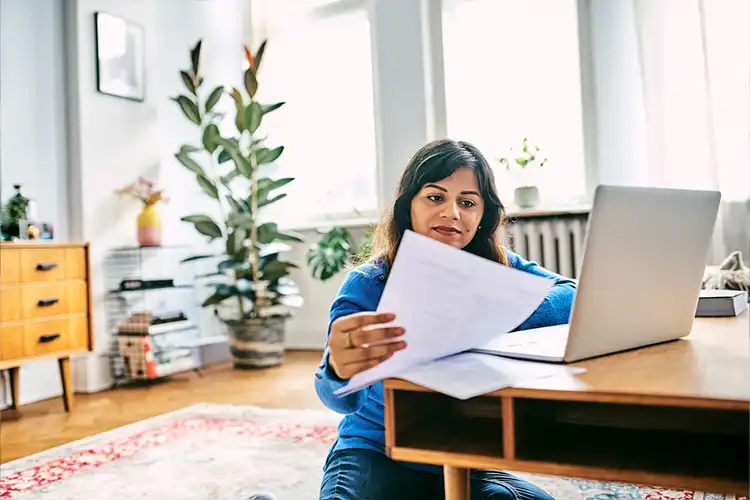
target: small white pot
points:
(526, 196)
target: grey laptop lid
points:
(643, 262)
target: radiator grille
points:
(554, 242)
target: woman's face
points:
(449, 210)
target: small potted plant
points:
(149, 221)
(526, 194)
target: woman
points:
(447, 192)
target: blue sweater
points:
(362, 426)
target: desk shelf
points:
(659, 444)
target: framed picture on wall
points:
(120, 57)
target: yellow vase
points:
(149, 227)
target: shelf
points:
(143, 290)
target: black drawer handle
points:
(48, 338)
(47, 302)
(46, 267)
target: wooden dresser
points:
(45, 305)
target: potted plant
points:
(250, 271)
(526, 194)
(334, 250)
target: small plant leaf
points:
(187, 148)
(208, 186)
(195, 56)
(189, 108)
(265, 155)
(187, 79)
(259, 55)
(251, 82)
(224, 156)
(215, 299)
(214, 97)
(239, 119)
(196, 218)
(268, 201)
(253, 115)
(267, 108)
(189, 163)
(210, 136)
(197, 257)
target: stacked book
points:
(721, 303)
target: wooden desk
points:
(672, 415)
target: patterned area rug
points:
(226, 452)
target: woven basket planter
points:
(257, 342)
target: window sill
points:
(348, 222)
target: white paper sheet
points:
(467, 375)
(449, 301)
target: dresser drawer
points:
(47, 337)
(42, 264)
(11, 342)
(10, 304)
(53, 299)
(10, 265)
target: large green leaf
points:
(267, 232)
(268, 201)
(198, 257)
(267, 108)
(210, 136)
(196, 218)
(267, 184)
(242, 164)
(229, 264)
(277, 269)
(208, 186)
(195, 56)
(253, 116)
(214, 97)
(239, 119)
(215, 299)
(204, 225)
(189, 163)
(235, 241)
(237, 207)
(187, 79)
(241, 220)
(265, 155)
(189, 108)
(259, 55)
(251, 82)
(224, 156)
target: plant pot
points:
(257, 342)
(526, 196)
(149, 227)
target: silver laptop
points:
(645, 252)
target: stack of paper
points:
(450, 301)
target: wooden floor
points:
(40, 426)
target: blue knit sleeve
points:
(356, 294)
(556, 307)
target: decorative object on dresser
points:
(149, 220)
(46, 308)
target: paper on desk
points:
(467, 375)
(448, 301)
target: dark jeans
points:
(369, 475)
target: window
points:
(318, 61)
(512, 71)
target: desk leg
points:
(456, 483)
(67, 383)
(15, 391)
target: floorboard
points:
(40, 426)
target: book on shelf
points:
(147, 323)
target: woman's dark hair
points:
(432, 163)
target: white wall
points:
(117, 140)
(32, 135)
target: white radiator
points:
(555, 243)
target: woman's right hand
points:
(350, 345)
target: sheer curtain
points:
(694, 60)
